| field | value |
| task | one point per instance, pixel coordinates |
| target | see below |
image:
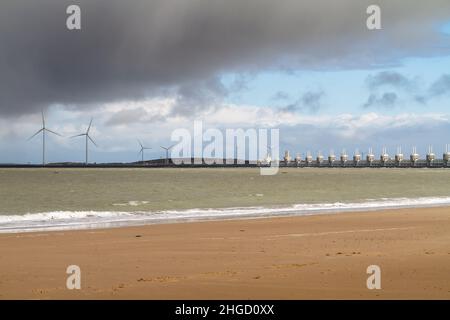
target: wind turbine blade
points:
(163, 148)
(52, 132)
(92, 140)
(171, 146)
(140, 143)
(78, 135)
(43, 119)
(89, 128)
(34, 135)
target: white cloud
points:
(117, 141)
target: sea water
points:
(60, 199)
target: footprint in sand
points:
(347, 254)
(161, 279)
(292, 265)
(39, 291)
(220, 273)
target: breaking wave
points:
(72, 220)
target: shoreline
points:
(302, 257)
(83, 220)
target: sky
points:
(142, 69)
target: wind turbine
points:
(88, 137)
(142, 150)
(43, 130)
(167, 152)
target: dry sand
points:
(312, 257)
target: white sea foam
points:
(69, 220)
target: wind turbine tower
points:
(167, 153)
(43, 130)
(88, 137)
(142, 150)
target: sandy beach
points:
(309, 257)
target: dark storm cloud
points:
(389, 78)
(240, 82)
(441, 86)
(392, 80)
(309, 102)
(421, 99)
(387, 99)
(280, 95)
(438, 88)
(135, 49)
(131, 116)
(195, 96)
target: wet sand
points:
(310, 257)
